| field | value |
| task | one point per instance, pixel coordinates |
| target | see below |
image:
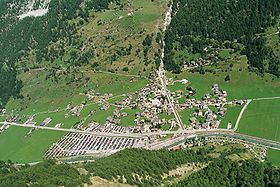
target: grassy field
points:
(18, 148)
(129, 119)
(110, 30)
(2, 118)
(185, 116)
(179, 88)
(262, 119)
(166, 116)
(231, 116)
(273, 156)
(116, 28)
(242, 84)
(99, 116)
(42, 95)
(165, 127)
(57, 117)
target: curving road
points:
(178, 135)
(241, 114)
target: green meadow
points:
(117, 28)
(186, 115)
(57, 117)
(273, 156)
(129, 119)
(231, 116)
(16, 146)
(262, 119)
(2, 118)
(42, 95)
(242, 85)
(43, 98)
(166, 116)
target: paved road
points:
(241, 114)
(162, 77)
(265, 98)
(241, 137)
(246, 138)
(179, 135)
(169, 99)
(104, 134)
(121, 135)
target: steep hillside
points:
(81, 35)
(204, 167)
(201, 29)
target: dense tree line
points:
(194, 23)
(224, 172)
(47, 173)
(36, 34)
(145, 168)
(147, 43)
(136, 164)
(6, 168)
(9, 85)
(98, 4)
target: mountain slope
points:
(80, 35)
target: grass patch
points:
(57, 117)
(18, 148)
(129, 119)
(165, 127)
(186, 115)
(166, 116)
(273, 156)
(2, 118)
(262, 119)
(231, 116)
(101, 115)
(242, 84)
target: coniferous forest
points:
(32, 36)
(145, 168)
(196, 24)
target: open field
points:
(165, 127)
(273, 156)
(118, 28)
(166, 116)
(129, 119)
(186, 115)
(2, 118)
(42, 95)
(101, 115)
(231, 116)
(18, 148)
(242, 84)
(57, 117)
(262, 119)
